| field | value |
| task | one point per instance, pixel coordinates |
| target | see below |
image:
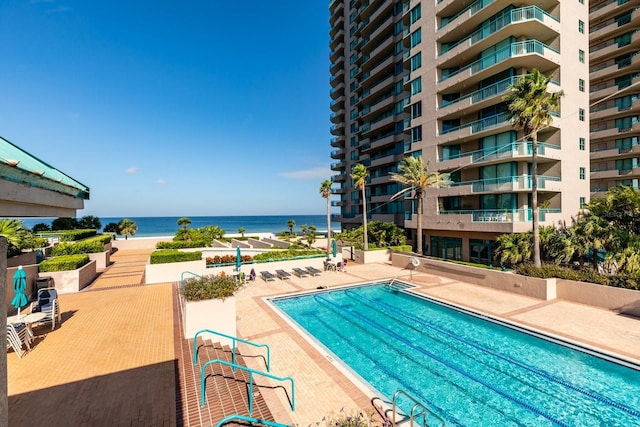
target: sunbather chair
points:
(47, 302)
(300, 272)
(283, 275)
(314, 271)
(16, 336)
(267, 276)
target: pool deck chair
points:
(283, 275)
(47, 302)
(267, 276)
(17, 335)
(300, 272)
(314, 271)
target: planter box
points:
(172, 272)
(71, 281)
(215, 314)
(102, 259)
(368, 257)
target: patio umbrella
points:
(335, 248)
(238, 258)
(19, 286)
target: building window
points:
(416, 61)
(353, 141)
(416, 109)
(415, 13)
(581, 114)
(416, 134)
(416, 37)
(581, 26)
(582, 173)
(416, 86)
(581, 143)
(581, 55)
(581, 85)
(581, 1)
(583, 201)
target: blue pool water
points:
(471, 371)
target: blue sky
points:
(173, 108)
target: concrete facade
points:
(614, 89)
(427, 79)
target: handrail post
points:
(233, 357)
(250, 393)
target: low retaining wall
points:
(255, 243)
(102, 259)
(368, 257)
(239, 244)
(276, 242)
(544, 289)
(70, 281)
(625, 301)
(26, 258)
(139, 243)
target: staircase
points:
(227, 392)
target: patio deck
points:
(119, 358)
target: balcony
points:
(525, 54)
(478, 97)
(502, 215)
(605, 131)
(504, 185)
(614, 153)
(515, 150)
(339, 203)
(341, 165)
(531, 20)
(613, 69)
(341, 177)
(338, 154)
(612, 173)
(338, 141)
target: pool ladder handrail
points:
(234, 340)
(251, 420)
(412, 413)
(250, 388)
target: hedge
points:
(627, 281)
(63, 263)
(87, 246)
(401, 248)
(165, 256)
(183, 244)
(287, 254)
(209, 287)
(74, 235)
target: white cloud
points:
(160, 182)
(132, 171)
(315, 173)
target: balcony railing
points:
(519, 148)
(508, 183)
(502, 215)
(525, 47)
(480, 125)
(485, 93)
(473, 8)
(516, 15)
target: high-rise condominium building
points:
(425, 78)
(614, 76)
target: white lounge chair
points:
(314, 271)
(267, 276)
(300, 272)
(283, 275)
(17, 335)
(47, 303)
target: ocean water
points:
(167, 225)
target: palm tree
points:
(290, 224)
(18, 236)
(359, 174)
(127, 227)
(184, 222)
(513, 249)
(311, 235)
(415, 177)
(530, 106)
(241, 230)
(325, 191)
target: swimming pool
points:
(469, 370)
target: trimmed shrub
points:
(183, 244)
(209, 287)
(74, 235)
(165, 256)
(87, 246)
(288, 254)
(553, 270)
(227, 259)
(63, 263)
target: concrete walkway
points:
(113, 360)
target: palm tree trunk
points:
(419, 225)
(364, 218)
(534, 200)
(328, 226)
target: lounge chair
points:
(47, 302)
(300, 272)
(314, 271)
(267, 276)
(283, 275)
(17, 335)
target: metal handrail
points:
(249, 419)
(187, 272)
(234, 340)
(251, 372)
(417, 405)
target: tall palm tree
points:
(413, 174)
(127, 227)
(359, 174)
(325, 191)
(530, 106)
(18, 236)
(290, 224)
